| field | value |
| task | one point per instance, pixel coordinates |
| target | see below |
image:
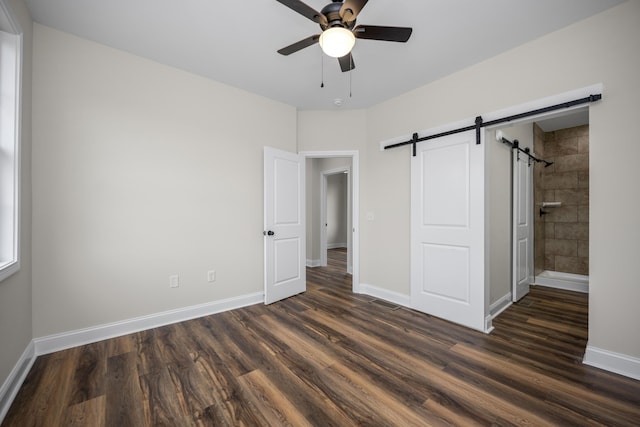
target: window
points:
(10, 50)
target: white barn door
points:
(522, 226)
(447, 229)
(284, 225)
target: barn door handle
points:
(268, 233)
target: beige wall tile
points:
(583, 179)
(573, 196)
(583, 213)
(583, 266)
(583, 144)
(565, 213)
(565, 242)
(572, 230)
(572, 162)
(561, 247)
(549, 230)
(561, 147)
(567, 264)
(583, 248)
(560, 180)
(549, 262)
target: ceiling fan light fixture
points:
(337, 41)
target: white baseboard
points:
(488, 324)
(15, 379)
(385, 294)
(62, 341)
(613, 362)
(500, 305)
(566, 281)
(494, 310)
(313, 263)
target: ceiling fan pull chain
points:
(350, 73)
(321, 69)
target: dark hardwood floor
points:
(332, 358)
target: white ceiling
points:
(235, 41)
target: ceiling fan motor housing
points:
(332, 13)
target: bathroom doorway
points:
(561, 202)
(550, 244)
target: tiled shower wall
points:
(561, 238)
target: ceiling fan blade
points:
(299, 45)
(305, 10)
(346, 62)
(390, 34)
(351, 8)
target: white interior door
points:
(284, 225)
(522, 219)
(447, 229)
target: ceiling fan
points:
(339, 31)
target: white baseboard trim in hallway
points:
(313, 263)
(385, 294)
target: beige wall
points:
(337, 210)
(340, 130)
(141, 171)
(15, 291)
(602, 49)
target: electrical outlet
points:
(174, 281)
(211, 276)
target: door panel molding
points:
(284, 225)
(448, 230)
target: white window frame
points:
(10, 121)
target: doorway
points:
(335, 211)
(556, 203)
(332, 194)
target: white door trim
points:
(355, 205)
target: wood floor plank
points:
(89, 413)
(166, 403)
(219, 372)
(562, 392)
(124, 397)
(271, 403)
(329, 357)
(89, 379)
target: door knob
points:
(269, 233)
